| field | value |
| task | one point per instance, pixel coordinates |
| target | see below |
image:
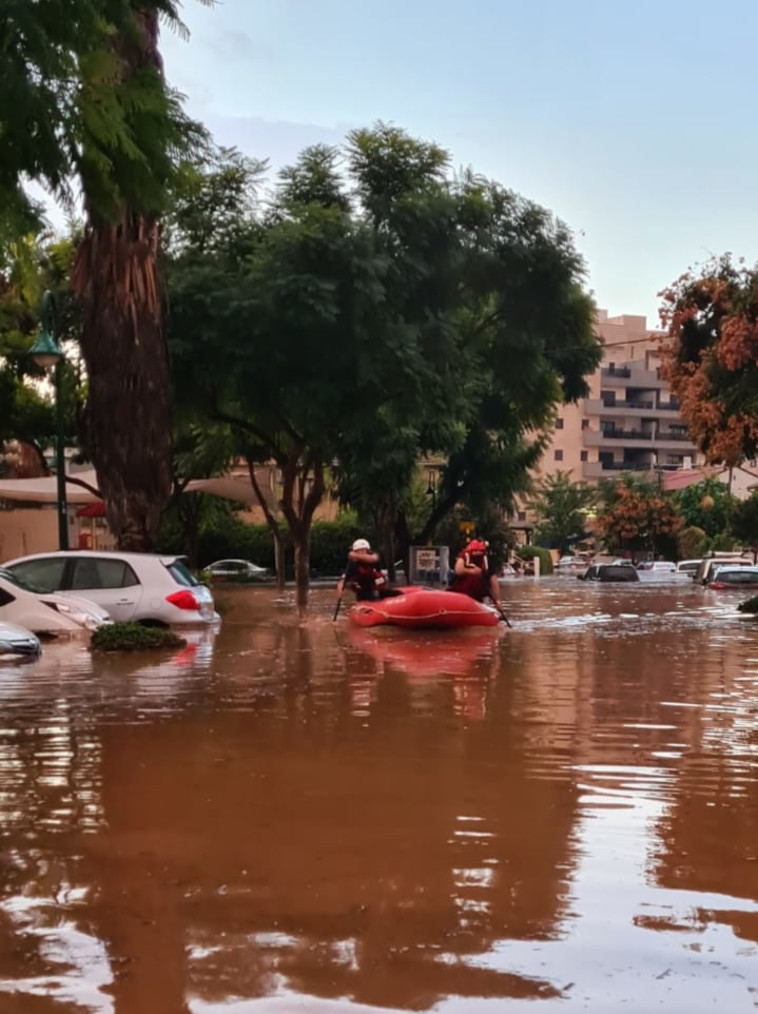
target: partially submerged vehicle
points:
(611, 572)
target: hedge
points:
(235, 539)
(529, 553)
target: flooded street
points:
(311, 817)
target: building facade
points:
(629, 422)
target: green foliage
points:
(29, 265)
(74, 102)
(744, 521)
(374, 316)
(724, 542)
(134, 637)
(691, 542)
(561, 506)
(227, 537)
(707, 505)
(530, 552)
(749, 605)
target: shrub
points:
(691, 542)
(530, 552)
(749, 605)
(134, 637)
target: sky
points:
(633, 121)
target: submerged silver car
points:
(16, 640)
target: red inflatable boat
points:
(425, 608)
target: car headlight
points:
(87, 620)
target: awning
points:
(232, 487)
(92, 510)
(45, 490)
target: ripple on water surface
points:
(298, 815)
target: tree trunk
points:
(302, 566)
(302, 492)
(126, 421)
(279, 561)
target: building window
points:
(582, 455)
(585, 424)
(522, 515)
(558, 455)
(559, 423)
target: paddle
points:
(502, 614)
(337, 607)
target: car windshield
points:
(182, 574)
(8, 575)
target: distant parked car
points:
(46, 612)
(16, 640)
(728, 578)
(657, 567)
(710, 565)
(688, 567)
(139, 587)
(620, 572)
(237, 570)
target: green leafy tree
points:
(691, 542)
(483, 280)
(29, 265)
(561, 506)
(744, 522)
(373, 316)
(707, 505)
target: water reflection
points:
(356, 820)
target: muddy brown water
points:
(301, 816)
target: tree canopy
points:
(561, 506)
(374, 310)
(710, 356)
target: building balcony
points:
(607, 437)
(676, 438)
(606, 469)
(642, 408)
(631, 376)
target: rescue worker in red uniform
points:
(363, 573)
(472, 574)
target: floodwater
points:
(306, 817)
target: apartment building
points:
(629, 422)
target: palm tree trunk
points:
(126, 421)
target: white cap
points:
(361, 544)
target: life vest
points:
(367, 580)
(475, 584)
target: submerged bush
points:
(134, 637)
(529, 553)
(749, 605)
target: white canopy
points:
(45, 490)
(233, 487)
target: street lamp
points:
(431, 488)
(46, 352)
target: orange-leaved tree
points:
(710, 356)
(635, 515)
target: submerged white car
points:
(132, 587)
(46, 612)
(15, 640)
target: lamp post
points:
(431, 488)
(46, 352)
